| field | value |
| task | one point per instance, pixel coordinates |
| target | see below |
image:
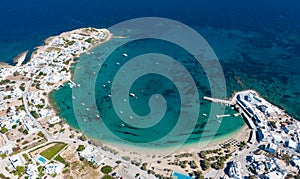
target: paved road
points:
(36, 123)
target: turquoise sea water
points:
(207, 126)
(257, 42)
(228, 125)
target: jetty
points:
(222, 115)
(221, 101)
(20, 58)
(72, 82)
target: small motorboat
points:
(132, 95)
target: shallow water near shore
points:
(228, 125)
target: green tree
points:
(34, 114)
(19, 171)
(80, 148)
(3, 155)
(3, 130)
(107, 177)
(41, 134)
(106, 169)
(204, 164)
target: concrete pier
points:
(223, 115)
(221, 101)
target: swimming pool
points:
(41, 160)
(180, 176)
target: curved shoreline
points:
(190, 146)
(191, 143)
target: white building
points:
(295, 161)
(53, 168)
(291, 144)
(30, 126)
(44, 113)
(272, 148)
(277, 138)
(235, 170)
(92, 155)
(264, 135)
(274, 175)
(8, 149)
(31, 171)
(54, 120)
(17, 160)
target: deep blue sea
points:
(257, 42)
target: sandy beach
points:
(154, 154)
(3, 64)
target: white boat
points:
(117, 63)
(82, 104)
(236, 114)
(73, 97)
(123, 125)
(71, 85)
(124, 55)
(57, 88)
(130, 117)
(87, 109)
(204, 114)
(132, 95)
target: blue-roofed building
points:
(262, 108)
(271, 148)
(247, 98)
(180, 176)
(257, 99)
(256, 119)
(250, 110)
(263, 135)
(238, 97)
